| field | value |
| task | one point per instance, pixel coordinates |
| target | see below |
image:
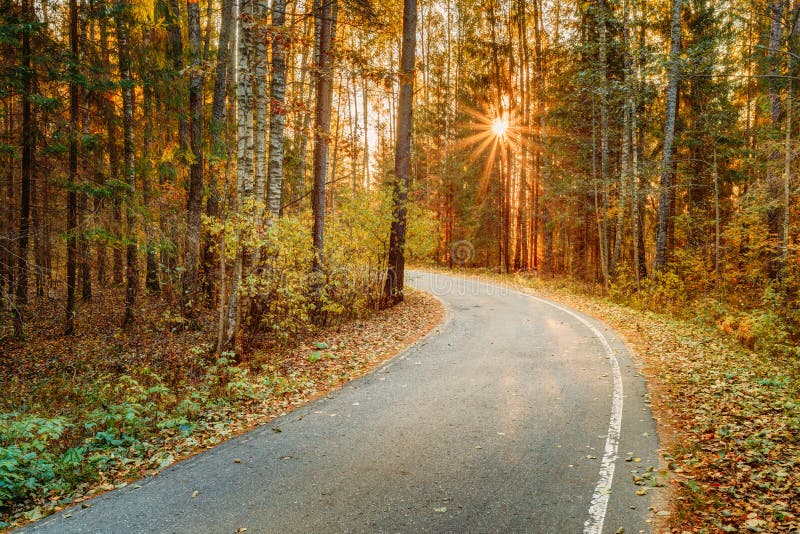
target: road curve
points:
(507, 418)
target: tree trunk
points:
(175, 43)
(604, 132)
(669, 136)
(84, 260)
(219, 142)
(625, 163)
(322, 128)
(393, 289)
(28, 141)
(244, 157)
(304, 123)
(277, 112)
(126, 81)
(6, 252)
(151, 262)
(72, 206)
(787, 169)
(633, 96)
(218, 108)
(195, 200)
(259, 61)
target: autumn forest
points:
(187, 186)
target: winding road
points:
(516, 415)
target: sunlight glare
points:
(499, 126)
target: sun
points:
(499, 126)
(493, 133)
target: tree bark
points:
(244, 157)
(322, 128)
(151, 262)
(84, 259)
(259, 61)
(218, 107)
(393, 288)
(277, 117)
(195, 200)
(604, 132)
(669, 136)
(72, 207)
(219, 141)
(625, 152)
(775, 212)
(28, 141)
(126, 81)
(175, 43)
(787, 169)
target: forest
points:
(187, 183)
(191, 151)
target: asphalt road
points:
(516, 415)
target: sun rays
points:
(499, 133)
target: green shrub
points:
(27, 460)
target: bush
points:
(27, 460)
(281, 294)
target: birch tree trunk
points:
(259, 62)
(309, 60)
(218, 108)
(244, 158)
(278, 108)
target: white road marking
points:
(599, 502)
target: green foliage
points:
(282, 294)
(40, 456)
(663, 291)
(229, 381)
(422, 235)
(27, 461)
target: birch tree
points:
(279, 39)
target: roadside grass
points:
(729, 417)
(90, 413)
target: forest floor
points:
(728, 417)
(83, 415)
